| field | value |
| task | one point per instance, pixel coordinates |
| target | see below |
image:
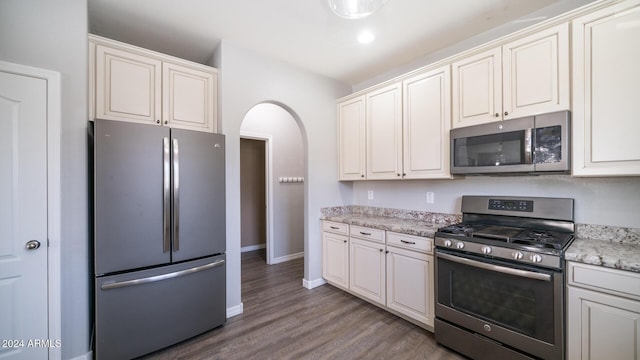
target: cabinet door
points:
(128, 86)
(477, 89)
(426, 124)
(367, 270)
(536, 73)
(352, 139)
(410, 284)
(384, 133)
(601, 326)
(189, 96)
(335, 259)
(606, 84)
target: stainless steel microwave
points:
(536, 144)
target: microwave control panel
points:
(511, 205)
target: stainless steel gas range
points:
(500, 278)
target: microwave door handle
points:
(528, 141)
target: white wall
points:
(247, 79)
(598, 201)
(560, 7)
(287, 161)
(53, 35)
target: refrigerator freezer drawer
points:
(144, 311)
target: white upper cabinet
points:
(352, 139)
(185, 97)
(128, 83)
(384, 133)
(128, 86)
(536, 73)
(426, 124)
(606, 85)
(477, 89)
(406, 127)
(525, 77)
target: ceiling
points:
(305, 33)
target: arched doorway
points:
(272, 190)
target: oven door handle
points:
(497, 268)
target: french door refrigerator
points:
(159, 236)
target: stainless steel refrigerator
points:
(159, 236)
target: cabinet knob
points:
(166, 122)
(497, 115)
(506, 113)
(362, 175)
(32, 244)
(398, 174)
(381, 250)
(404, 174)
(157, 121)
(345, 241)
(386, 252)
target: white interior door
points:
(23, 218)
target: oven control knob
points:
(486, 250)
(447, 243)
(518, 255)
(459, 245)
(536, 258)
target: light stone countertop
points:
(607, 246)
(410, 222)
(606, 253)
(404, 226)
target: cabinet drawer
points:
(410, 242)
(612, 281)
(335, 227)
(366, 233)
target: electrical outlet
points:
(430, 197)
(370, 194)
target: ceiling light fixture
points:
(355, 9)
(366, 37)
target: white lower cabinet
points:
(366, 263)
(335, 253)
(392, 270)
(367, 270)
(410, 284)
(603, 313)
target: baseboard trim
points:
(285, 258)
(310, 284)
(87, 356)
(235, 310)
(253, 247)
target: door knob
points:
(32, 244)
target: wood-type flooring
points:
(283, 320)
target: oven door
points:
(515, 305)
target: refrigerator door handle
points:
(176, 196)
(121, 284)
(166, 195)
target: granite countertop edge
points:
(616, 248)
(605, 253)
(404, 226)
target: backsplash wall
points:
(598, 201)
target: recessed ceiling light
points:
(366, 37)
